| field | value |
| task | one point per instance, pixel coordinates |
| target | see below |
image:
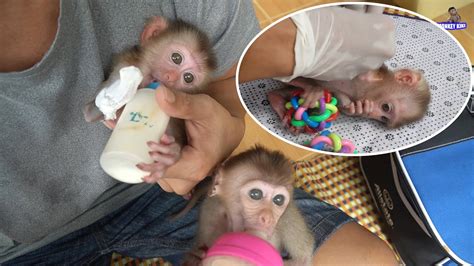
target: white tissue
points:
(113, 97)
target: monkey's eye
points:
(386, 107)
(188, 77)
(176, 58)
(256, 194)
(384, 119)
(279, 199)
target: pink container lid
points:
(246, 247)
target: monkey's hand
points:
(358, 108)
(277, 99)
(165, 153)
(312, 91)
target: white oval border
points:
(345, 154)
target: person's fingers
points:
(182, 105)
(163, 183)
(177, 185)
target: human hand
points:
(212, 134)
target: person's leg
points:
(352, 244)
(339, 239)
(141, 229)
(145, 228)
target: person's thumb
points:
(182, 105)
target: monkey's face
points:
(263, 204)
(177, 66)
(453, 12)
(391, 109)
(393, 94)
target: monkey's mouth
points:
(261, 231)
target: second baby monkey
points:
(394, 98)
(179, 56)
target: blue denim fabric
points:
(142, 229)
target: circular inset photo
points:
(353, 79)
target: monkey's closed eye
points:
(176, 58)
(386, 107)
(279, 199)
(256, 194)
(188, 77)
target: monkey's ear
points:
(371, 76)
(217, 180)
(153, 27)
(407, 77)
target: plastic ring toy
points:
(316, 118)
(332, 142)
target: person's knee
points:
(352, 244)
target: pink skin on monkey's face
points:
(388, 111)
(178, 67)
(262, 205)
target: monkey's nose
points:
(265, 219)
(171, 76)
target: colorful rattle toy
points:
(328, 141)
(314, 119)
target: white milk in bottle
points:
(142, 120)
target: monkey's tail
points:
(201, 190)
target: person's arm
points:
(271, 55)
(323, 44)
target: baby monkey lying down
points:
(394, 98)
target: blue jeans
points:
(142, 229)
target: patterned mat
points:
(334, 179)
(420, 45)
(339, 181)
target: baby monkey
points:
(179, 56)
(175, 53)
(253, 192)
(394, 98)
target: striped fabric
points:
(338, 181)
